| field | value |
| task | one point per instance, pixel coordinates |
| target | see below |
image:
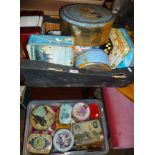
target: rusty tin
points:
(94, 59)
(89, 24)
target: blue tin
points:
(52, 49)
(95, 59)
(86, 15)
(129, 59)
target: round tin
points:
(89, 24)
(39, 143)
(63, 140)
(80, 112)
(95, 59)
(42, 117)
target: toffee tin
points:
(86, 133)
(89, 24)
(80, 112)
(51, 49)
(94, 59)
(63, 140)
(39, 143)
(65, 114)
(42, 117)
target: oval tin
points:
(63, 140)
(95, 59)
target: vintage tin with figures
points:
(42, 117)
(89, 24)
(94, 59)
(39, 143)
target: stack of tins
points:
(90, 25)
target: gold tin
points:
(90, 25)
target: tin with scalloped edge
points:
(89, 24)
(94, 59)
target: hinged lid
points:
(86, 15)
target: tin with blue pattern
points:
(52, 49)
(94, 59)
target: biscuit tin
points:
(63, 140)
(94, 59)
(80, 112)
(89, 24)
(122, 53)
(86, 133)
(39, 143)
(52, 49)
(65, 114)
(42, 117)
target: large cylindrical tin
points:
(95, 59)
(89, 24)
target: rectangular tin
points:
(122, 46)
(33, 104)
(52, 49)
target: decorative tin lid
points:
(63, 140)
(65, 114)
(86, 15)
(81, 111)
(42, 117)
(39, 143)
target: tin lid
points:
(65, 113)
(81, 111)
(86, 15)
(63, 140)
(39, 143)
(42, 117)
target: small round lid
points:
(87, 15)
(42, 117)
(63, 140)
(81, 111)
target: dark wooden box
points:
(42, 74)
